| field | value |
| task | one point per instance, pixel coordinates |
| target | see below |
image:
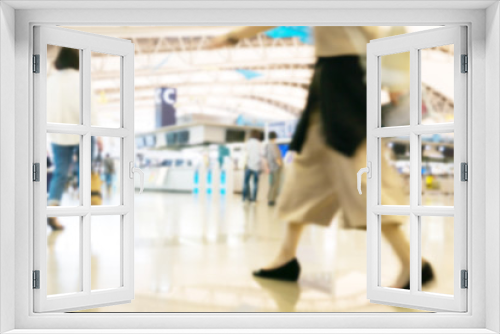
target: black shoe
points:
(290, 271)
(427, 275)
(271, 203)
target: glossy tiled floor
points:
(195, 254)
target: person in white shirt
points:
(63, 106)
(253, 166)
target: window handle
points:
(132, 169)
(368, 171)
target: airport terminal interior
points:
(197, 242)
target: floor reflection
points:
(196, 254)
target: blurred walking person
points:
(253, 166)
(330, 141)
(63, 106)
(275, 166)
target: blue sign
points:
(165, 99)
(303, 33)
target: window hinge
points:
(36, 63)
(36, 279)
(464, 172)
(464, 279)
(36, 172)
(464, 64)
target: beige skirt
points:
(321, 182)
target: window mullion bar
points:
(61, 211)
(433, 211)
(391, 209)
(433, 129)
(86, 251)
(86, 145)
(109, 210)
(377, 272)
(85, 174)
(414, 172)
(109, 132)
(394, 131)
(373, 117)
(67, 129)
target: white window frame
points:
(413, 43)
(86, 43)
(483, 263)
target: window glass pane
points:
(437, 254)
(437, 75)
(437, 169)
(63, 256)
(105, 177)
(105, 87)
(395, 89)
(395, 171)
(106, 246)
(395, 252)
(63, 85)
(63, 169)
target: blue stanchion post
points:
(223, 182)
(209, 181)
(196, 182)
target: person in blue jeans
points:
(63, 158)
(63, 106)
(249, 173)
(253, 167)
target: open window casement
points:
(414, 132)
(77, 126)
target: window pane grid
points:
(436, 116)
(416, 207)
(414, 131)
(79, 293)
(415, 210)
